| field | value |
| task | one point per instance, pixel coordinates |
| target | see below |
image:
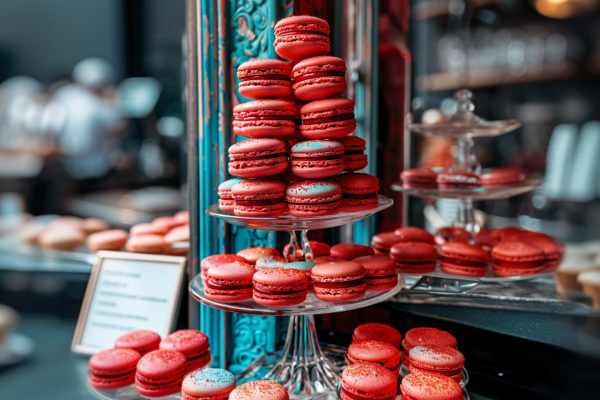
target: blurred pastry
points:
(93, 225)
(590, 281)
(566, 274)
(112, 239)
(30, 233)
(65, 238)
(176, 235)
(8, 320)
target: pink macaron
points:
(259, 198)
(160, 373)
(359, 191)
(328, 118)
(428, 386)
(112, 239)
(218, 259)
(441, 360)
(414, 257)
(252, 254)
(280, 287)
(264, 78)
(269, 262)
(113, 368)
(193, 344)
(319, 77)
(425, 336)
(368, 381)
(265, 118)
(350, 251)
(177, 235)
(226, 201)
(259, 390)
(316, 159)
(229, 283)
(301, 36)
(314, 198)
(168, 222)
(258, 158)
(377, 331)
(339, 281)
(142, 341)
(148, 244)
(355, 158)
(375, 351)
(207, 384)
(148, 229)
(380, 272)
(383, 242)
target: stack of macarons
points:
(295, 126)
(426, 178)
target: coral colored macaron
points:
(442, 360)
(359, 191)
(419, 178)
(376, 331)
(207, 384)
(319, 249)
(354, 153)
(414, 234)
(93, 225)
(553, 250)
(503, 177)
(112, 239)
(364, 381)
(148, 229)
(323, 259)
(259, 390)
(382, 242)
(350, 251)
(380, 272)
(517, 258)
(218, 259)
(457, 179)
(262, 78)
(339, 281)
(252, 254)
(269, 262)
(141, 341)
(464, 259)
(183, 217)
(193, 344)
(259, 198)
(328, 118)
(428, 386)
(301, 36)
(414, 257)
(258, 158)
(266, 118)
(160, 373)
(319, 77)
(315, 159)
(226, 201)
(168, 222)
(423, 337)
(280, 287)
(304, 266)
(229, 282)
(238, 118)
(113, 368)
(148, 244)
(314, 198)
(375, 351)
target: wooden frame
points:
(176, 262)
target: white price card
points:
(127, 292)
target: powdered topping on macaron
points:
(368, 381)
(426, 385)
(385, 354)
(256, 190)
(188, 341)
(437, 358)
(259, 390)
(313, 192)
(339, 281)
(113, 368)
(288, 279)
(159, 373)
(210, 383)
(141, 341)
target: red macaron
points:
(280, 287)
(359, 191)
(377, 331)
(237, 119)
(207, 384)
(414, 257)
(301, 36)
(425, 336)
(160, 373)
(113, 368)
(428, 386)
(414, 234)
(355, 158)
(229, 283)
(264, 78)
(226, 201)
(553, 250)
(457, 180)
(503, 177)
(258, 158)
(382, 242)
(442, 360)
(350, 251)
(375, 351)
(141, 341)
(368, 381)
(265, 118)
(464, 259)
(259, 390)
(517, 258)
(218, 259)
(339, 281)
(316, 159)
(193, 344)
(319, 77)
(314, 198)
(419, 178)
(252, 254)
(259, 198)
(380, 272)
(328, 118)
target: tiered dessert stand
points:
(464, 126)
(302, 367)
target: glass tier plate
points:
(489, 276)
(129, 392)
(288, 222)
(311, 306)
(459, 130)
(478, 193)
